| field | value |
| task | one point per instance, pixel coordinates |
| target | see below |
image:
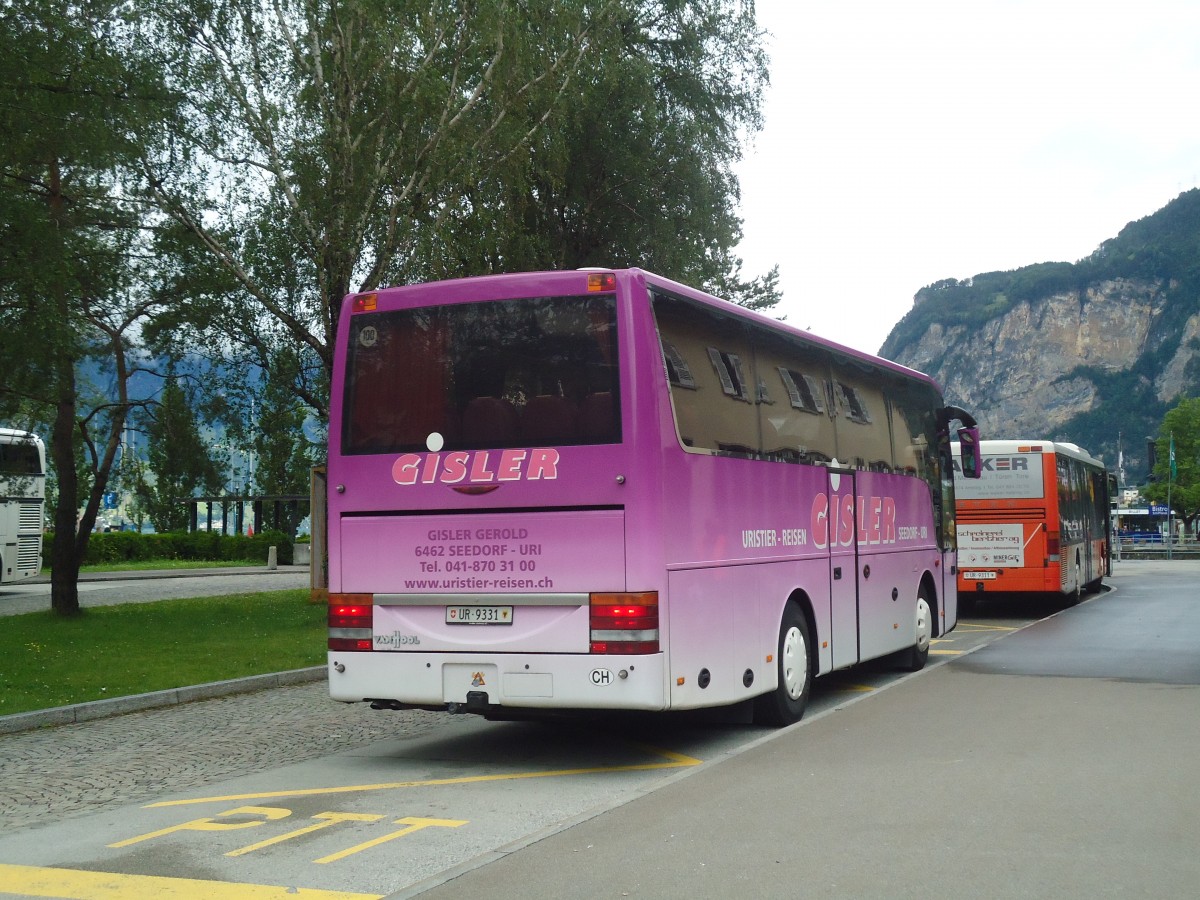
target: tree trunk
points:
(64, 557)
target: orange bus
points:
(1035, 522)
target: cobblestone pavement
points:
(55, 773)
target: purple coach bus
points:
(603, 490)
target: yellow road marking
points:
(946, 652)
(674, 761)
(414, 823)
(74, 884)
(976, 626)
(329, 818)
(268, 813)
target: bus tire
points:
(1076, 593)
(914, 658)
(793, 661)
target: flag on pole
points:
(1174, 471)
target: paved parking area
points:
(53, 773)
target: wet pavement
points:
(1057, 761)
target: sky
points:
(911, 141)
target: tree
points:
(321, 137)
(333, 146)
(178, 463)
(637, 169)
(74, 92)
(284, 454)
(1180, 430)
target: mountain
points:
(1093, 352)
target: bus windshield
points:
(512, 373)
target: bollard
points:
(272, 558)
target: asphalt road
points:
(1060, 761)
(1054, 760)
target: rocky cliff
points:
(1092, 352)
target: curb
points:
(103, 709)
(146, 574)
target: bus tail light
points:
(624, 623)
(350, 621)
(1052, 548)
(601, 281)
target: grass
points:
(115, 651)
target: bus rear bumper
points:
(473, 681)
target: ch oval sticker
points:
(601, 677)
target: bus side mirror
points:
(972, 461)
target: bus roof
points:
(8, 435)
(1033, 445)
(765, 319)
(478, 287)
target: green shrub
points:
(212, 546)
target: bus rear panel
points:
(1036, 522)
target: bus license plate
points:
(979, 576)
(479, 615)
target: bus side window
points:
(914, 430)
(862, 422)
(798, 429)
(710, 371)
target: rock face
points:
(1016, 372)
(1094, 352)
(1038, 369)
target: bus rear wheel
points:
(1076, 592)
(786, 703)
(914, 658)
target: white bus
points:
(22, 504)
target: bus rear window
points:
(20, 459)
(508, 373)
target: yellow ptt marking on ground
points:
(946, 652)
(268, 814)
(74, 884)
(858, 688)
(328, 819)
(674, 761)
(414, 823)
(976, 626)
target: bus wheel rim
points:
(794, 663)
(924, 624)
